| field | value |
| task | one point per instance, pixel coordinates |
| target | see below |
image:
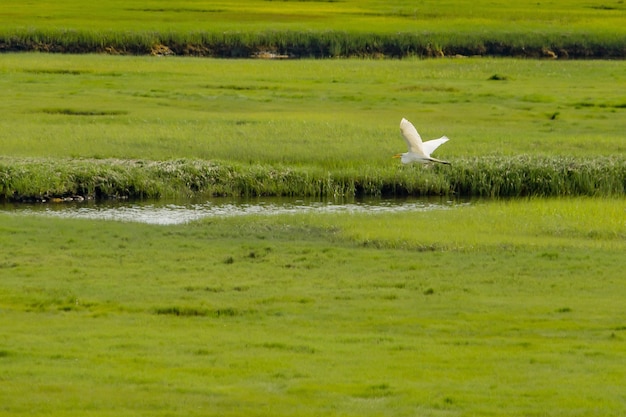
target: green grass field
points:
(323, 113)
(320, 119)
(368, 15)
(312, 28)
(497, 307)
(404, 314)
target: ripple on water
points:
(164, 213)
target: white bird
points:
(418, 151)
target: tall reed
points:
(44, 179)
(533, 176)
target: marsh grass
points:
(536, 176)
(341, 314)
(327, 113)
(316, 128)
(44, 180)
(319, 44)
(535, 223)
(80, 112)
(320, 29)
(506, 307)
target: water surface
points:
(178, 212)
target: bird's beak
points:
(398, 155)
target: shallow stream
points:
(178, 212)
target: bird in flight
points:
(418, 151)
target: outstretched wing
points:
(430, 146)
(412, 138)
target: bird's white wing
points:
(412, 138)
(431, 145)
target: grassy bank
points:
(51, 180)
(319, 44)
(319, 314)
(318, 29)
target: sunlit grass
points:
(490, 308)
(347, 28)
(323, 113)
(362, 16)
(510, 307)
(560, 224)
(517, 127)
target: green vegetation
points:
(319, 314)
(292, 44)
(44, 180)
(322, 113)
(318, 28)
(517, 127)
(502, 307)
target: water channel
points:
(179, 212)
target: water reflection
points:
(178, 212)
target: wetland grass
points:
(318, 44)
(319, 29)
(331, 114)
(335, 314)
(506, 224)
(503, 307)
(103, 126)
(45, 180)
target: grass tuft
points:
(77, 112)
(198, 312)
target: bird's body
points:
(418, 151)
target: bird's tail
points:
(439, 161)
